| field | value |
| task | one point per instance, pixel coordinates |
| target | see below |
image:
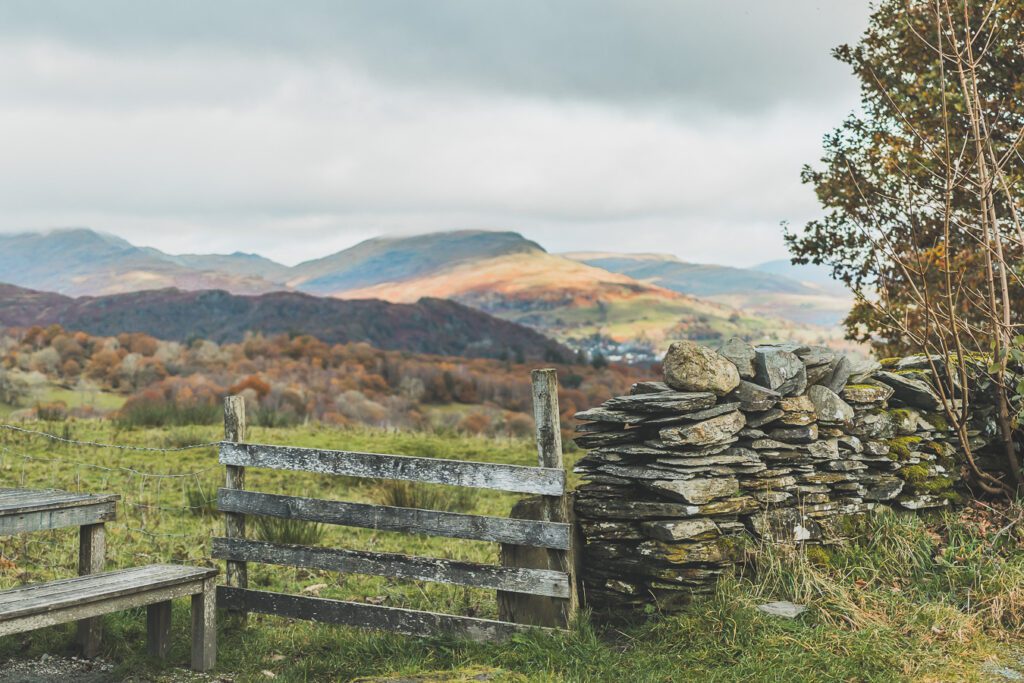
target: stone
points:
(874, 425)
(713, 411)
(918, 362)
(754, 397)
(695, 491)
(673, 401)
(862, 369)
(840, 375)
(681, 530)
(688, 366)
(913, 392)
(632, 509)
(797, 411)
(604, 415)
(780, 371)
(742, 356)
(608, 438)
(714, 430)
(756, 420)
(649, 388)
(795, 434)
(869, 393)
(828, 406)
(816, 374)
(884, 488)
(815, 356)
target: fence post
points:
(234, 523)
(535, 610)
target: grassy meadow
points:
(904, 599)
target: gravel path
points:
(48, 669)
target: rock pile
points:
(774, 442)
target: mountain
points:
(509, 276)
(588, 301)
(809, 274)
(393, 259)
(768, 289)
(427, 326)
(80, 261)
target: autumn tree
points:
(883, 179)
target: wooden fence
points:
(537, 554)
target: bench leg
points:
(204, 627)
(158, 629)
(92, 551)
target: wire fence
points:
(166, 509)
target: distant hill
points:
(428, 326)
(395, 259)
(587, 301)
(819, 276)
(769, 289)
(514, 278)
(81, 261)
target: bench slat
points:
(18, 501)
(546, 481)
(532, 533)
(514, 579)
(83, 590)
(406, 621)
(56, 518)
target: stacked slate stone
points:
(773, 441)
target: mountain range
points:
(637, 299)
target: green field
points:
(898, 602)
(100, 401)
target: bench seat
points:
(82, 597)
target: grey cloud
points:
(740, 54)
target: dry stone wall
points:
(775, 442)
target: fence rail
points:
(549, 576)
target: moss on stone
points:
(901, 447)
(938, 420)
(921, 480)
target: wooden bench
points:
(83, 597)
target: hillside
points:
(395, 259)
(615, 304)
(584, 305)
(777, 289)
(80, 262)
(426, 326)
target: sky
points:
(295, 129)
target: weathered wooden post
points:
(529, 609)
(234, 523)
(92, 559)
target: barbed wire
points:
(96, 444)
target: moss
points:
(901, 447)
(920, 480)
(818, 556)
(914, 475)
(938, 420)
(889, 362)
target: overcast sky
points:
(294, 129)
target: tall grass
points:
(407, 494)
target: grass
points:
(903, 600)
(100, 401)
